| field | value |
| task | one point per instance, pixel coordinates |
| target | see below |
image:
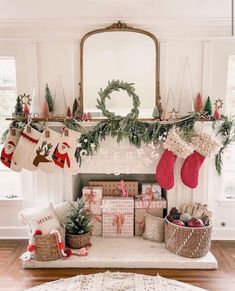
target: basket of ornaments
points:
(188, 231)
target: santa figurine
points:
(7, 153)
(61, 156)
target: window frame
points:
(2, 168)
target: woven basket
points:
(47, 248)
(77, 241)
(187, 242)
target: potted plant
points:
(78, 226)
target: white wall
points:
(50, 33)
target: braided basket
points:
(47, 248)
(190, 242)
(78, 241)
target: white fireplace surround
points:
(115, 159)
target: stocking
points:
(64, 156)
(28, 140)
(174, 147)
(8, 149)
(41, 156)
(204, 146)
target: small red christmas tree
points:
(216, 114)
(45, 109)
(26, 109)
(198, 103)
(69, 113)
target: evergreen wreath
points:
(116, 85)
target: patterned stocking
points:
(64, 154)
(41, 156)
(8, 149)
(28, 140)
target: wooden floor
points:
(13, 277)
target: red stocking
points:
(204, 146)
(190, 169)
(165, 170)
(174, 147)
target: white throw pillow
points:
(154, 228)
(62, 209)
(43, 218)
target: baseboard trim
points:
(13, 232)
(227, 233)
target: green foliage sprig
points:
(227, 132)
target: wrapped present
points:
(92, 197)
(90, 193)
(153, 207)
(152, 188)
(118, 217)
(117, 188)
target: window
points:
(7, 89)
(228, 180)
(9, 180)
(230, 101)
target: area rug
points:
(115, 282)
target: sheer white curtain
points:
(39, 188)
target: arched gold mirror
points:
(119, 52)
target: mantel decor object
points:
(128, 47)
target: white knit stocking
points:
(25, 147)
(9, 148)
(41, 156)
(64, 156)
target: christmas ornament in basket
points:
(78, 226)
(190, 242)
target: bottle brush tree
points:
(155, 113)
(78, 219)
(198, 103)
(49, 98)
(18, 107)
(208, 106)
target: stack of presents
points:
(118, 211)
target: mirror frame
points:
(120, 26)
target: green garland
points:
(227, 132)
(138, 132)
(116, 85)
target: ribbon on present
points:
(122, 187)
(90, 197)
(97, 217)
(141, 224)
(118, 221)
(148, 193)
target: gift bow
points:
(141, 224)
(122, 187)
(118, 222)
(149, 194)
(90, 197)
